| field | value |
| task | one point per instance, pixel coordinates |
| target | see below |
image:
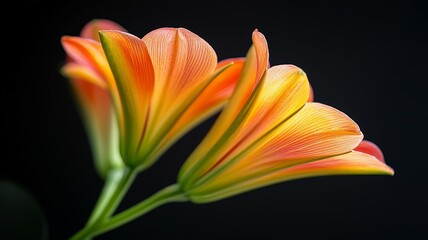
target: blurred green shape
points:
(20, 215)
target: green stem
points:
(110, 187)
(117, 184)
(169, 194)
(126, 178)
(84, 234)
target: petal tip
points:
(391, 172)
(91, 29)
(65, 39)
(371, 149)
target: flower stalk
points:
(168, 194)
(116, 186)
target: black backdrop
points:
(364, 58)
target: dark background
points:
(365, 58)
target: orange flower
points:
(272, 132)
(88, 78)
(160, 86)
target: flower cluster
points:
(138, 96)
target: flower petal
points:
(92, 28)
(182, 62)
(317, 131)
(209, 101)
(370, 148)
(96, 108)
(96, 103)
(76, 71)
(88, 53)
(311, 94)
(353, 163)
(283, 92)
(216, 93)
(256, 63)
(255, 66)
(132, 68)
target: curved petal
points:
(92, 28)
(96, 108)
(370, 148)
(131, 65)
(182, 62)
(353, 163)
(96, 103)
(212, 98)
(317, 131)
(76, 71)
(311, 94)
(256, 63)
(90, 54)
(284, 91)
(215, 94)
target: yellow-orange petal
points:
(253, 69)
(256, 63)
(182, 62)
(311, 94)
(216, 93)
(73, 70)
(283, 92)
(262, 53)
(92, 28)
(132, 68)
(317, 131)
(90, 55)
(370, 148)
(87, 52)
(95, 106)
(353, 163)
(96, 102)
(210, 100)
